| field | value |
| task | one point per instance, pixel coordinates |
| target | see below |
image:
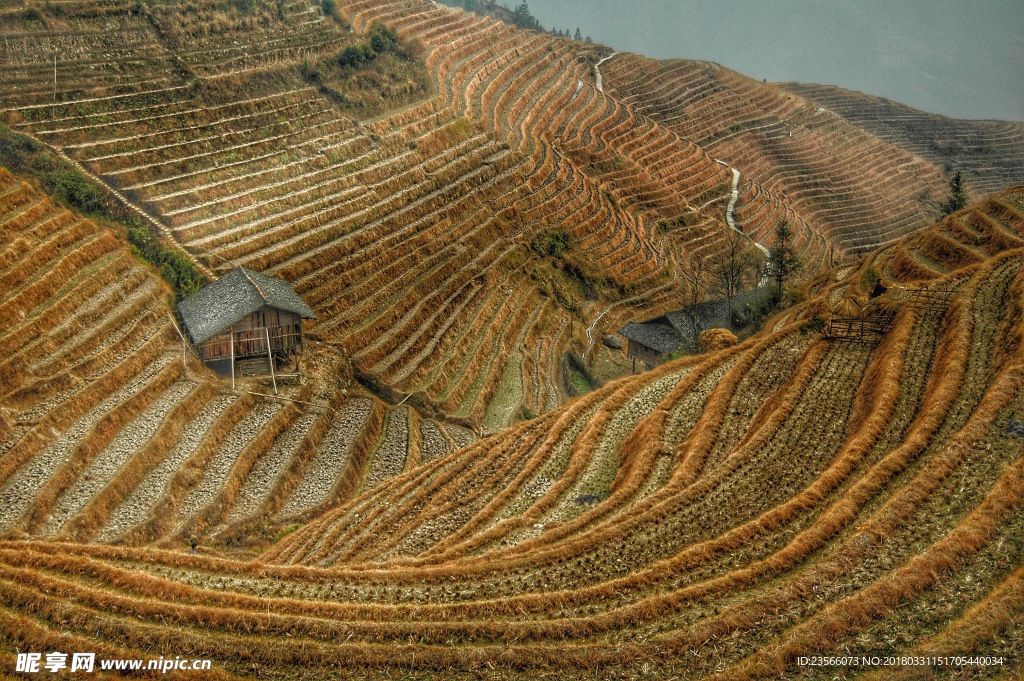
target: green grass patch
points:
(371, 77)
(72, 189)
(285, 531)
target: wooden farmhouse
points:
(650, 341)
(245, 323)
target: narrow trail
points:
(597, 72)
(734, 196)
(590, 339)
(161, 228)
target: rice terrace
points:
(390, 339)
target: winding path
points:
(734, 195)
(669, 284)
(590, 339)
(597, 72)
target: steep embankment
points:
(790, 495)
(407, 215)
(110, 431)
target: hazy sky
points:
(961, 58)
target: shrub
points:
(286, 531)
(329, 8)
(869, 278)
(382, 38)
(245, 6)
(21, 154)
(75, 191)
(816, 324)
(313, 73)
(175, 268)
(754, 312)
(551, 243)
(379, 43)
(355, 56)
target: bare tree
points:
(695, 285)
(732, 267)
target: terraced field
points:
(789, 495)
(720, 516)
(799, 161)
(409, 230)
(990, 153)
(404, 232)
(111, 433)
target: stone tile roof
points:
(232, 298)
(657, 332)
(658, 337)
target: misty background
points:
(961, 59)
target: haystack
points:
(883, 307)
(847, 307)
(715, 339)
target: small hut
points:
(650, 342)
(247, 322)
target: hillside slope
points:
(406, 213)
(719, 516)
(109, 431)
(990, 153)
(841, 187)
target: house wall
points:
(250, 337)
(267, 316)
(648, 356)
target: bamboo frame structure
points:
(278, 341)
(865, 330)
(931, 299)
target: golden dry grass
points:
(719, 516)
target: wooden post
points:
(232, 336)
(270, 357)
(571, 311)
(184, 366)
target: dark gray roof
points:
(658, 337)
(670, 331)
(233, 297)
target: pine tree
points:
(523, 19)
(957, 195)
(784, 260)
(589, 41)
(578, 36)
